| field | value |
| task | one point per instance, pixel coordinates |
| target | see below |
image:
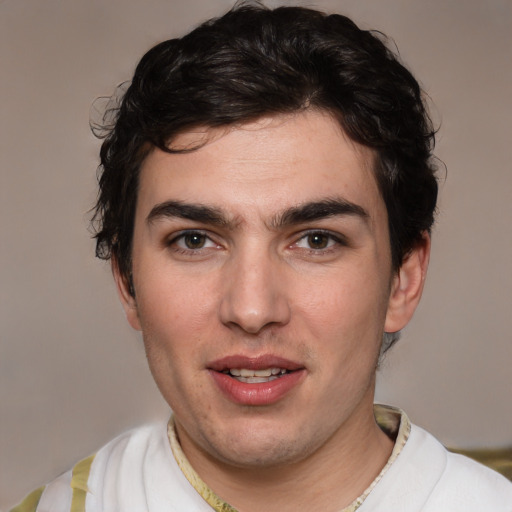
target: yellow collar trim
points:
(394, 422)
(206, 493)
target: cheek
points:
(347, 317)
(176, 314)
(173, 329)
(172, 302)
(345, 301)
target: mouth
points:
(256, 376)
(257, 381)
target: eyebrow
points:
(300, 214)
(317, 210)
(195, 212)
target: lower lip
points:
(262, 393)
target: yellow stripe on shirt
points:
(29, 504)
(79, 478)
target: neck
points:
(328, 480)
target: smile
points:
(255, 376)
(256, 381)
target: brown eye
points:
(194, 240)
(318, 240)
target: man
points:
(266, 199)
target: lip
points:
(260, 394)
(253, 363)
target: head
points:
(254, 62)
(266, 194)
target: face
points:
(263, 283)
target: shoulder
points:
(473, 486)
(427, 477)
(454, 482)
(119, 463)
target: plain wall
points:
(72, 374)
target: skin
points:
(317, 292)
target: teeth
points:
(255, 376)
(256, 380)
(267, 372)
(263, 373)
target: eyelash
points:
(190, 233)
(333, 242)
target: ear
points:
(127, 298)
(407, 286)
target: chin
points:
(263, 449)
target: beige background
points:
(72, 374)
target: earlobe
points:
(407, 286)
(124, 290)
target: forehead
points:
(269, 164)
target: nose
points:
(255, 293)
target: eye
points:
(192, 241)
(317, 240)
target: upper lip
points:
(253, 363)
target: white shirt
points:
(138, 472)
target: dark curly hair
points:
(255, 61)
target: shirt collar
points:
(392, 421)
